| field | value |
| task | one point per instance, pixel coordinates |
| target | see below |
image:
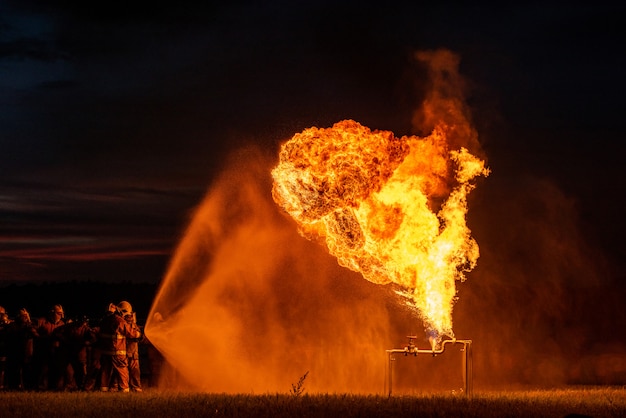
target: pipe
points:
(467, 366)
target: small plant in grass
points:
(297, 389)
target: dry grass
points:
(594, 402)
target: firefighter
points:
(132, 355)
(46, 351)
(94, 368)
(20, 335)
(113, 332)
(4, 325)
(75, 337)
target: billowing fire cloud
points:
(373, 198)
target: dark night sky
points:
(114, 118)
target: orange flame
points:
(384, 208)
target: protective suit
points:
(112, 335)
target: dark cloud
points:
(108, 98)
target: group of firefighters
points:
(52, 353)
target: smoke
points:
(248, 305)
(444, 103)
(538, 307)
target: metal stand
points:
(411, 349)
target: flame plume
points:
(390, 208)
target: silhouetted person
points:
(94, 367)
(4, 324)
(20, 335)
(46, 351)
(75, 338)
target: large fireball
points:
(390, 208)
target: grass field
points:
(593, 402)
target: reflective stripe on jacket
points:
(114, 353)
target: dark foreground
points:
(592, 402)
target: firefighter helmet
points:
(24, 315)
(124, 307)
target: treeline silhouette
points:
(87, 298)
